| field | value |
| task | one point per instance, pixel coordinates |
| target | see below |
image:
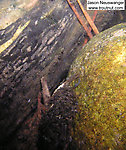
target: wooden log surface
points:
(44, 42)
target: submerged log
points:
(44, 42)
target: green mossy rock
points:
(101, 91)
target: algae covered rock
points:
(101, 91)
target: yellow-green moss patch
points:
(101, 91)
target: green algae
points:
(101, 90)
